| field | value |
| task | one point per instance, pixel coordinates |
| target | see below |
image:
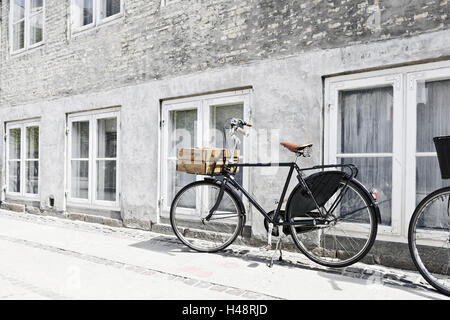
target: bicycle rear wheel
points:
(429, 239)
(345, 235)
(188, 215)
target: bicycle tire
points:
(424, 266)
(201, 235)
(337, 257)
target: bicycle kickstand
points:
(277, 248)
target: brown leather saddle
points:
(295, 147)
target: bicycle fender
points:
(373, 202)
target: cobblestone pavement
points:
(12, 286)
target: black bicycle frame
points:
(227, 177)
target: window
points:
(384, 122)
(22, 153)
(26, 24)
(90, 13)
(365, 128)
(197, 122)
(93, 159)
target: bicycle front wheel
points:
(347, 232)
(190, 222)
(429, 239)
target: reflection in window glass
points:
(106, 180)
(32, 143)
(15, 139)
(107, 138)
(80, 179)
(32, 177)
(14, 176)
(433, 119)
(109, 8)
(80, 140)
(182, 134)
(36, 29)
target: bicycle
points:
(331, 217)
(429, 228)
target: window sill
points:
(24, 51)
(76, 31)
(19, 197)
(85, 205)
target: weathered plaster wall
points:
(153, 42)
(287, 95)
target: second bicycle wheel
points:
(345, 235)
(189, 212)
(429, 239)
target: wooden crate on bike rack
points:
(204, 161)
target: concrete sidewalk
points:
(51, 258)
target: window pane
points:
(80, 140)
(80, 179)
(106, 180)
(14, 176)
(32, 144)
(36, 5)
(83, 13)
(19, 35)
(176, 181)
(109, 8)
(32, 177)
(433, 113)
(376, 173)
(182, 134)
(18, 10)
(14, 138)
(107, 138)
(428, 177)
(36, 29)
(220, 116)
(365, 121)
(182, 130)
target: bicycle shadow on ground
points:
(163, 244)
(173, 247)
(335, 279)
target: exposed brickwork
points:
(153, 42)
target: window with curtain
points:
(23, 158)
(365, 139)
(90, 13)
(433, 119)
(26, 23)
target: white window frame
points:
(92, 202)
(333, 88)
(404, 81)
(97, 20)
(203, 105)
(22, 125)
(413, 78)
(27, 18)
